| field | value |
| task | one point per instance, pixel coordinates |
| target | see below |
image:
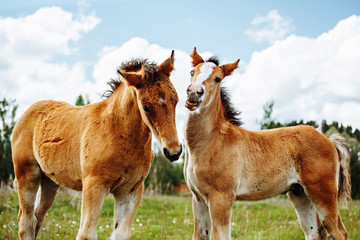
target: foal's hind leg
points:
(323, 195)
(48, 193)
(28, 175)
(307, 215)
(124, 211)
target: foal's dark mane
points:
(133, 65)
(231, 113)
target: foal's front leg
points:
(202, 221)
(94, 193)
(124, 211)
(220, 205)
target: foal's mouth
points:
(192, 105)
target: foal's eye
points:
(192, 73)
(146, 109)
(217, 79)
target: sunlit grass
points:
(166, 217)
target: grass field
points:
(166, 217)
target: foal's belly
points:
(67, 176)
(60, 165)
(263, 186)
(66, 179)
(260, 194)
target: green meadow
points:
(170, 217)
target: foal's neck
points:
(206, 123)
(123, 111)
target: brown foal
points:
(98, 149)
(225, 162)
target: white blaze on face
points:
(205, 71)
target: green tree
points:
(324, 126)
(81, 101)
(7, 115)
(268, 122)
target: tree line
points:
(163, 175)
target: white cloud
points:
(28, 46)
(308, 78)
(270, 28)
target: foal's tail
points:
(344, 192)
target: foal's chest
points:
(193, 180)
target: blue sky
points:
(301, 54)
(215, 26)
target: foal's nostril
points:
(172, 157)
(195, 90)
(166, 152)
(188, 90)
(200, 92)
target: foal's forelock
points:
(150, 70)
(134, 65)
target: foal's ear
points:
(168, 65)
(227, 69)
(133, 78)
(196, 59)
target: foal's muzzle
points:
(194, 97)
(172, 156)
